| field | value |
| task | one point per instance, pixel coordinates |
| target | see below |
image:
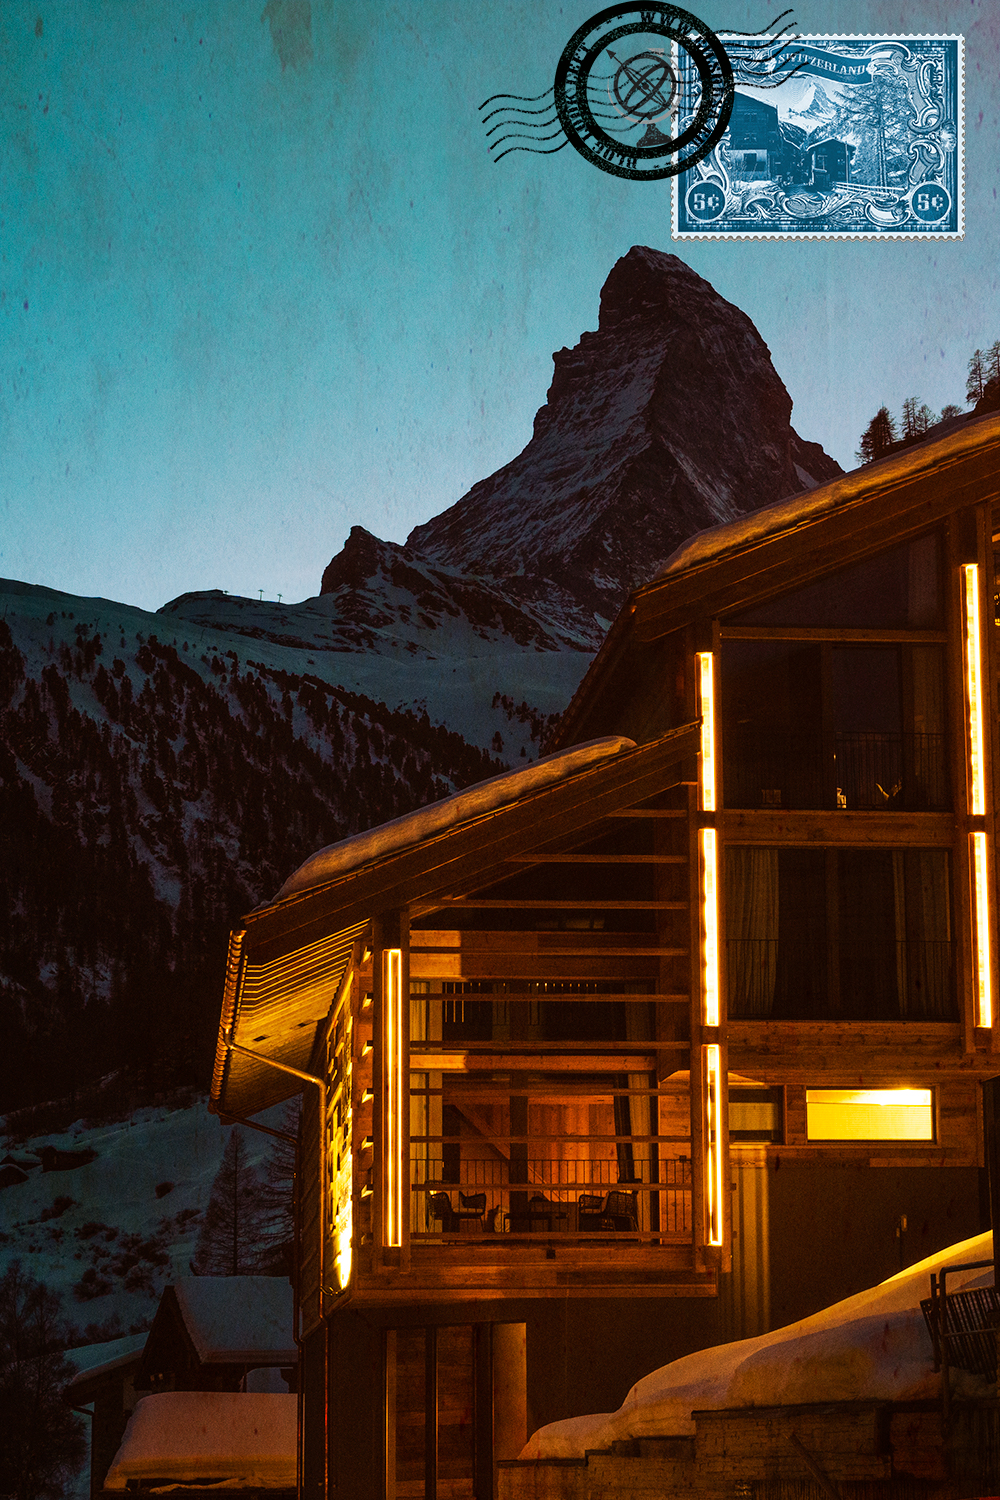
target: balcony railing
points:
(788, 768)
(907, 981)
(541, 1196)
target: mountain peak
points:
(668, 419)
(649, 283)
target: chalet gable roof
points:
(227, 1320)
(287, 961)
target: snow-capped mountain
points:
(670, 418)
(161, 773)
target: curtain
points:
(751, 930)
(923, 934)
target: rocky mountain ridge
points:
(668, 419)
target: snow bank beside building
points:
(870, 1347)
(215, 1437)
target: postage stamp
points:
(863, 141)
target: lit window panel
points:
(713, 1142)
(973, 691)
(981, 913)
(706, 708)
(392, 991)
(869, 1115)
(709, 925)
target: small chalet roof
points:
(237, 1319)
(230, 1320)
(225, 1439)
(94, 1361)
(286, 963)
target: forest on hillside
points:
(147, 801)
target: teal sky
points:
(260, 280)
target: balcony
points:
(581, 1199)
(802, 980)
(859, 772)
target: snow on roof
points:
(99, 1359)
(424, 822)
(873, 1346)
(220, 1437)
(797, 510)
(238, 1319)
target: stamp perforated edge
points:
(852, 234)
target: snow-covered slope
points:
(870, 1347)
(160, 774)
(108, 1235)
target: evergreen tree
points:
(877, 117)
(42, 1443)
(917, 417)
(976, 383)
(878, 437)
(234, 1238)
(991, 362)
(279, 1183)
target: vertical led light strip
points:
(392, 993)
(706, 707)
(973, 691)
(713, 1143)
(981, 906)
(709, 926)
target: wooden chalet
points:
(211, 1333)
(671, 1037)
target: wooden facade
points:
(668, 1045)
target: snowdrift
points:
(872, 1346)
(218, 1437)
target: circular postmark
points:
(644, 90)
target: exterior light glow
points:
(713, 1144)
(706, 707)
(392, 991)
(973, 691)
(709, 926)
(981, 907)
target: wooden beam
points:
(773, 826)
(473, 903)
(832, 633)
(606, 859)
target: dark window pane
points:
(855, 934)
(899, 589)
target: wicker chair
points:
(621, 1211)
(590, 1212)
(439, 1207)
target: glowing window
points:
(869, 1115)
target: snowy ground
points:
(870, 1347)
(109, 1235)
